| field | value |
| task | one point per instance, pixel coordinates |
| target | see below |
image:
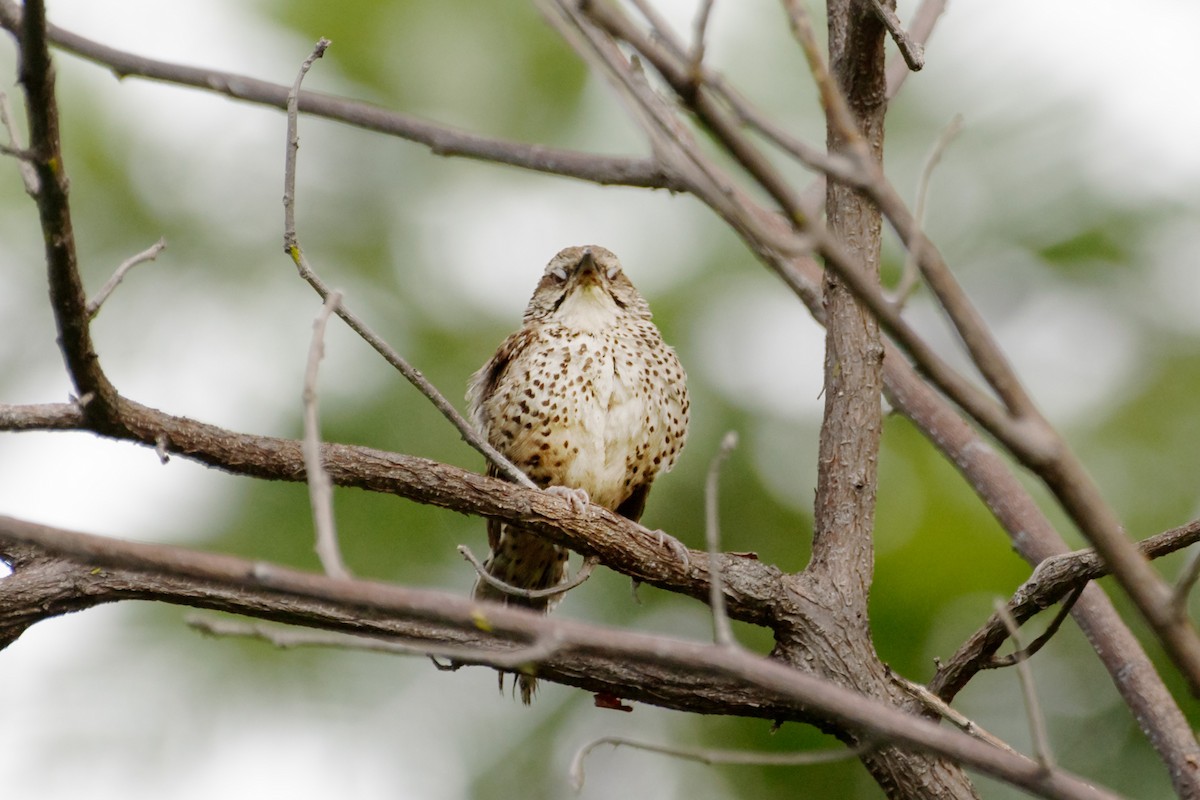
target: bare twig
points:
(291, 246)
(287, 638)
(41, 417)
(722, 632)
(1184, 584)
(919, 29)
(149, 254)
(937, 705)
(442, 140)
(621, 544)
(837, 112)
(698, 48)
(290, 242)
(976, 336)
(320, 489)
(28, 173)
(814, 158)
(1053, 579)
(908, 279)
(912, 51)
(585, 571)
(1028, 652)
(417, 379)
(1033, 709)
(712, 756)
(964, 392)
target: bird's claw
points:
(677, 548)
(578, 498)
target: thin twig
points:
(837, 112)
(149, 254)
(908, 279)
(292, 247)
(920, 27)
(28, 173)
(615, 24)
(442, 140)
(912, 51)
(585, 571)
(702, 17)
(287, 638)
(1028, 652)
(672, 141)
(722, 632)
(938, 706)
(1052, 580)
(1037, 722)
(1184, 584)
(290, 242)
(815, 158)
(710, 756)
(320, 489)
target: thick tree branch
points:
(57, 571)
(750, 585)
(844, 512)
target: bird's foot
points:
(578, 498)
(677, 548)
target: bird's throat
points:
(588, 307)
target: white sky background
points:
(1131, 68)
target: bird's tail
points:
(523, 560)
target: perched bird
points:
(584, 396)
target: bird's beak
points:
(589, 271)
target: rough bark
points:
(833, 630)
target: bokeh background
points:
(1068, 207)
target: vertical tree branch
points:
(67, 296)
(841, 569)
(844, 515)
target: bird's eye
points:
(613, 271)
(560, 273)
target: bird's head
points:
(585, 287)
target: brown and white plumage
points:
(585, 395)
